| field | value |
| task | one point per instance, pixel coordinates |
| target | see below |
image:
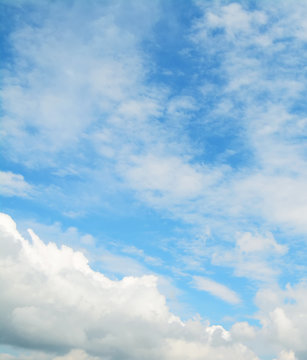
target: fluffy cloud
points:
(52, 300)
(282, 315)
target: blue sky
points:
(156, 150)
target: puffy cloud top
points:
(52, 300)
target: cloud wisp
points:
(14, 185)
(216, 289)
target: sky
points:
(153, 180)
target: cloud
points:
(247, 243)
(111, 257)
(14, 185)
(282, 318)
(54, 302)
(286, 355)
(165, 178)
(251, 44)
(122, 265)
(141, 254)
(243, 330)
(72, 101)
(235, 20)
(77, 355)
(254, 256)
(216, 289)
(66, 80)
(56, 233)
(96, 96)
(282, 314)
(180, 106)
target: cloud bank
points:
(55, 306)
(53, 302)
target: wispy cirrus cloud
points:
(216, 289)
(14, 185)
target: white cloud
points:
(254, 256)
(286, 355)
(81, 91)
(14, 185)
(56, 233)
(216, 289)
(243, 330)
(96, 94)
(282, 316)
(165, 178)
(130, 249)
(77, 355)
(122, 265)
(247, 243)
(180, 106)
(112, 262)
(6, 357)
(74, 80)
(235, 19)
(52, 301)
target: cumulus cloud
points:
(122, 260)
(282, 317)
(52, 300)
(243, 330)
(55, 232)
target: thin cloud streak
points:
(216, 289)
